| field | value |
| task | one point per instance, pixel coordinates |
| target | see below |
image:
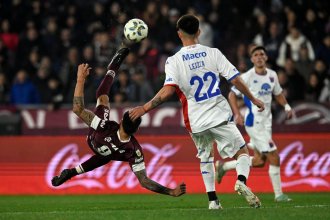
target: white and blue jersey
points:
(262, 87)
(259, 124)
(194, 71)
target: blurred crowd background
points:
(43, 41)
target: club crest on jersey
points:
(271, 79)
(265, 89)
(138, 153)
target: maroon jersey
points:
(103, 138)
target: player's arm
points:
(151, 185)
(164, 94)
(232, 99)
(241, 86)
(78, 98)
(283, 102)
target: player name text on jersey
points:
(196, 65)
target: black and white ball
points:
(135, 30)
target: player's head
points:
(189, 25)
(258, 56)
(129, 126)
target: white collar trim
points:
(123, 141)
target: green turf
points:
(305, 206)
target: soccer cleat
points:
(243, 190)
(63, 177)
(118, 58)
(219, 171)
(215, 204)
(283, 198)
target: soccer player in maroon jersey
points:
(108, 139)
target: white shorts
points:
(227, 137)
(261, 138)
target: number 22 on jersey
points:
(201, 82)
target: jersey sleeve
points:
(225, 68)
(171, 77)
(277, 87)
(102, 116)
(244, 77)
(138, 167)
(137, 160)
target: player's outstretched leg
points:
(219, 171)
(118, 58)
(113, 67)
(243, 190)
(63, 177)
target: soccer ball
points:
(135, 30)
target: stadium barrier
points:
(310, 117)
(27, 164)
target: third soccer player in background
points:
(263, 83)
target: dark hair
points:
(130, 127)
(257, 47)
(188, 24)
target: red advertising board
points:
(27, 165)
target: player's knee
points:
(273, 158)
(258, 163)
(241, 151)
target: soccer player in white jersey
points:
(263, 83)
(193, 73)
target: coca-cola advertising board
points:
(27, 165)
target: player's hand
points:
(179, 190)
(136, 112)
(260, 104)
(83, 71)
(239, 120)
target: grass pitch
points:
(156, 207)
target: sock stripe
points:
(242, 155)
(111, 73)
(80, 169)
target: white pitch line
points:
(190, 209)
(310, 206)
(275, 207)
